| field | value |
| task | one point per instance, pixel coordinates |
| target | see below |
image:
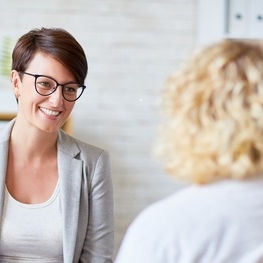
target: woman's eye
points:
(44, 84)
(70, 90)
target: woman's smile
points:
(49, 112)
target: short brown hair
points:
(56, 42)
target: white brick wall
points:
(131, 47)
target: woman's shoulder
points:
(182, 220)
(5, 130)
(198, 204)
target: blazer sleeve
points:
(99, 241)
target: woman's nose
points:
(56, 97)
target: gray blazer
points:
(86, 198)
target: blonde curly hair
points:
(213, 108)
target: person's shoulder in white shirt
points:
(215, 223)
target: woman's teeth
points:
(50, 112)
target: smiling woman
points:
(56, 202)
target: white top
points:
(31, 232)
(218, 223)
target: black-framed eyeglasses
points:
(45, 86)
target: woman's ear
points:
(16, 83)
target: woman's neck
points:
(31, 142)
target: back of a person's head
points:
(213, 109)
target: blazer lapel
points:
(70, 173)
(4, 144)
(3, 163)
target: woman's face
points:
(47, 113)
